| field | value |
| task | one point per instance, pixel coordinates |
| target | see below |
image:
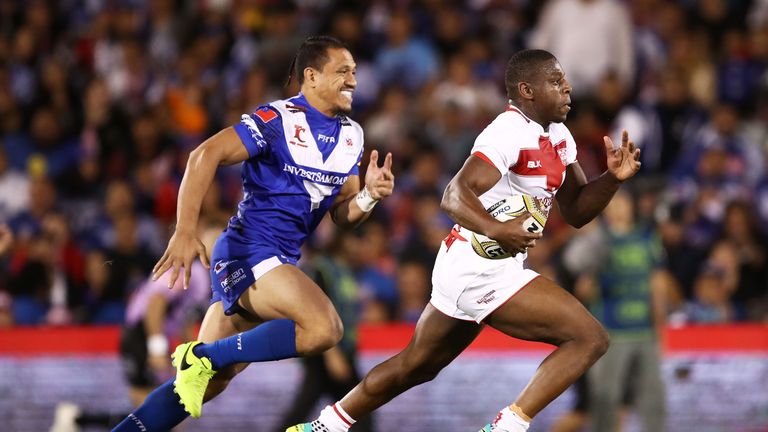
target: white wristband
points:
(157, 345)
(364, 200)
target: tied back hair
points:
(313, 53)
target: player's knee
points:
(324, 336)
(598, 341)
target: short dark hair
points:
(522, 66)
(313, 53)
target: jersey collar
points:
(310, 111)
(517, 110)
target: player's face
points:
(336, 81)
(553, 93)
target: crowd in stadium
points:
(101, 102)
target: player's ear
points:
(525, 90)
(310, 76)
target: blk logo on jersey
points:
(546, 161)
(534, 164)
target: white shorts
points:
(468, 287)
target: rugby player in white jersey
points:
(525, 150)
(300, 161)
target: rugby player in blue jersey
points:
(300, 161)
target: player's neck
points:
(530, 112)
(318, 103)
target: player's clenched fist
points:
(379, 180)
(513, 236)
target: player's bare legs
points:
(544, 312)
(284, 292)
(438, 340)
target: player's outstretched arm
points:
(579, 201)
(224, 148)
(461, 202)
(352, 205)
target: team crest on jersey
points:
(297, 136)
(562, 152)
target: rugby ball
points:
(507, 209)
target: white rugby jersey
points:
(531, 160)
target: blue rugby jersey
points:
(299, 159)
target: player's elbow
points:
(448, 202)
(204, 153)
(577, 223)
(573, 218)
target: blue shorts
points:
(235, 267)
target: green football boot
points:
(193, 374)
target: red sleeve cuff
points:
(483, 157)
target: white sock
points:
(334, 419)
(509, 421)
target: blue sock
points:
(161, 411)
(273, 340)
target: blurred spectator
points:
(721, 165)
(42, 200)
(375, 268)
(714, 288)
(476, 100)
(120, 202)
(14, 189)
(602, 46)
(739, 72)
(405, 59)
(739, 227)
(413, 289)
(451, 134)
(6, 239)
(711, 303)
(622, 282)
(99, 305)
(39, 284)
(387, 128)
(677, 116)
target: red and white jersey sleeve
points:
(531, 161)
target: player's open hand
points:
(513, 236)
(624, 161)
(181, 252)
(379, 180)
